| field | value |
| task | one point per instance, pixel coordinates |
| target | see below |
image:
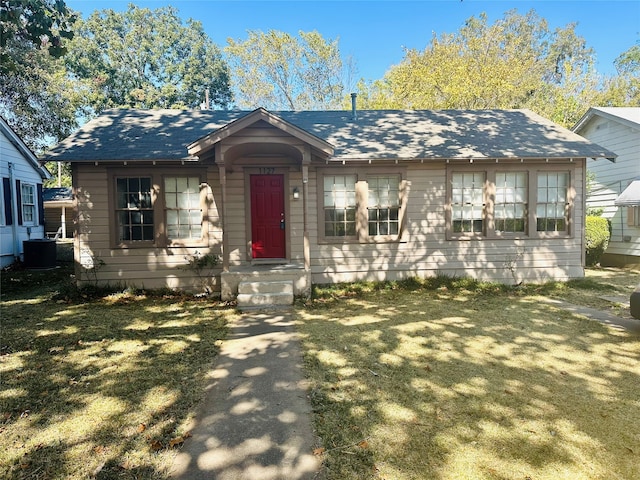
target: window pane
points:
(510, 206)
(384, 197)
(134, 185)
(134, 208)
(340, 205)
(467, 202)
(182, 201)
(551, 210)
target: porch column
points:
(63, 221)
(306, 160)
(225, 239)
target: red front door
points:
(267, 216)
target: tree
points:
(515, 62)
(32, 25)
(624, 89)
(36, 98)
(276, 70)
(145, 58)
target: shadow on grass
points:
(102, 387)
(462, 383)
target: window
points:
(383, 205)
(183, 210)
(633, 216)
(134, 209)
(340, 205)
(467, 202)
(513, 201)
(510, 209)
(361, 207)
(28, 200)
(551, 206)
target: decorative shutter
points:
(40, 201)
(19, 201)
(6, 193)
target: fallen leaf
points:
(126, 465)
(156, 445)
(176, 441)
(187, 435)
(98, 449)
(24, 465)
(508, 392)
(318, 451)
(630, 449)
(563, 372)
(363, 444)
(141, 428)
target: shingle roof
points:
(376, 134)
(57, 194)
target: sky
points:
(376, 32)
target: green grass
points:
(97, 385)
(454, 379)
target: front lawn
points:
(458, 380)
(102, 386)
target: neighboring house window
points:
(134, 209)
(467, 202)
(340, 205)
(551, 206)
(633, 216)
(28, 206)
(510, 208)
(383, 205)
(183, 210)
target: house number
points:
(267, 170)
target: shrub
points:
(596, 238)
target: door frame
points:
(248, 171)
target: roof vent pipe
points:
(354, 112)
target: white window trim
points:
(34, 221)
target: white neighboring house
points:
(22, 213)
(617, 185)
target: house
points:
(58, 202)
(317, 197)
(21, 215)
(616, 187)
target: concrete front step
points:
(282, 286)
(264, 294)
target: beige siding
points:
(141, 267)
(425, 251)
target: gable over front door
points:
(267, 216)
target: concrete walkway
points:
(630, 325)
(255, 422)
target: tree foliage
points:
(36, 97)
(276, 70)
(32, 25)
(624, 89)
(515, 62)
(145, 58)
